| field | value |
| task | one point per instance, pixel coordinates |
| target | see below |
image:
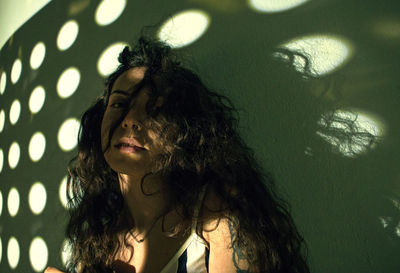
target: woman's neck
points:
(146, 200)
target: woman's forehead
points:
(129, 79)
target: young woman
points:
(164, 183)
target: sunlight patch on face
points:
(324, 53)
(108, 60)
(350, 132)
(272, 6)
(184, 28)
(37, 198)
(36, 100)
(38, 254)
(108, 11)
(68, 134)
(68, 82)
(67, 35)
(13, 252)
(37, 55)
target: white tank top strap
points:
(194, 247)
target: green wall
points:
(345, 202)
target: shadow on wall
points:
(315, 82)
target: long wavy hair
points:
(203, 150)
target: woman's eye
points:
(118, 104)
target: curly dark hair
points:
(199, 130)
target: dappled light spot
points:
(62, 192)
(37, 55)
(13, 155)
(184, 28)
(2, 120)
(68, 82)
(66, 251)
(317, 54)
(38, 254)
(13, 252)
(1, 161)
(350, 132)
(1, 247)
(108, 60)
(13, 202)
(387, 28)
(37, 146)
(271, 6)
(68, 134)
(392, 223)
(16, 71)
(67, 35)
(1, 203)
(3, 82)
(15, 111)
(37, 98)
(37, 198)
(108, 11)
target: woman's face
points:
(133, 147)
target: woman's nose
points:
(131, 122)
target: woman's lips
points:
(124, 147)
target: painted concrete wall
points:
(14, 13)
(312, 131)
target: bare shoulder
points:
(219, 230)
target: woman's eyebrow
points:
(121, 92)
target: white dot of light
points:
(16, 70)
(37, 98)
(13, 202)
(37, 146)
(13, 252)
(68, 82)
(68, 134)
(67, 35)
(2, 120)
(1, 160)
(325, 53)
(13, 155)
(38, 254)
(15, 111)
(3, 82)
(108, 11)
(108, 60)
(62, 192)
(184, 28)
(1, 204)
(66, 251)
(361, 123)
(37, 55)
(271, 6)
(37, 198)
